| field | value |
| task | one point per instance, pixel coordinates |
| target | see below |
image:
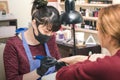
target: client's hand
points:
(46, 63)
(73, 59)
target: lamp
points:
(70, 16)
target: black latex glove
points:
(59, 65)
(46, 63)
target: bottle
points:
(91, 12)
(81, 11)
(94, 25)
(87, 13)
(90, 25)
(61, 35)
(87, 24)
(3, 12)
(95, 13)
(83, 25)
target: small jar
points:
(3, 12)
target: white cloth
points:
(49, 77)
(2, 72)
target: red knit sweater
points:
(102, 69)
(15, 59)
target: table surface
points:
(7, 17)
(67, 50)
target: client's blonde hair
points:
(109, 21)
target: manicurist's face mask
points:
(44, 31)
(41, 37)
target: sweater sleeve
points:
(11, 62)
(82, 71)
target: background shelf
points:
(88, 5)
(81, 30)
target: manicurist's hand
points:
(46, 63)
